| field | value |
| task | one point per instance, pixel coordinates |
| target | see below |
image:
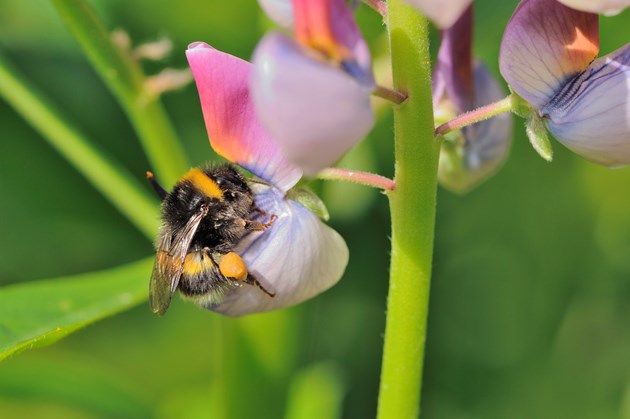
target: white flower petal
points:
(296, 258)
(606, 7)
(315, 111)
(280, 11)
(442, 12)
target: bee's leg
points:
(251, 225)
(159, 190)
(251, 280)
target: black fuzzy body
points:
(224, 225)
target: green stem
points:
(412, 207)
(480, 114)
(105, 174)
(124, 77)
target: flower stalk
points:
(354, 176)
(480, 114)
(391, 95)
(412, 207)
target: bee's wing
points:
(169, 263)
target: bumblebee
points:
(205, 215)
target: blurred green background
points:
(530, 313)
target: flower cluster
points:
(304, 101)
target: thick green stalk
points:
(105, 174)
(412, 207)
(125, 79)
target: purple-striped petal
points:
(280, 11)
(606, 7)
(486, 144)
(233, 127)
(315, 111)
(591, 115)
(296, 258)
(443, 13)
(544, 45)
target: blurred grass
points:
(529, 314)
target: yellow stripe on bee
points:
(203, 183)
(195, 264)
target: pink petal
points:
(606, 7)
(443, 13)
(296, 258)
(591, 115)
(544, 45)
(315, 111)
(234, 130)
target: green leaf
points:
(39, 313)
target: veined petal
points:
(234, 130)
(591, 115)
(280, 11)
(316, 112)
(443, 13)
(486, 145)
(453, 75)
(296, 258)
(545, 44)
(606, 7)
(328, 26)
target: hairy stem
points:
(480, 114)
(124, 77)
(354, 176)
(412, 207)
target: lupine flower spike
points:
(312, 92)
(548, 58)
(469, 155)
(298, 256)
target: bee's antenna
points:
(159, 190)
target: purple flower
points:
(548, 57)
(312, 92)
(471, 155)
(298, 256)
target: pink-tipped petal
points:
(606, 7)
(316, 112)
(544, 45)
(233, 127)
(280, 11)
(296, 258)
(591, 115)
(443, 13)
(328, 26)
(487, 143)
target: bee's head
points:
(230, 181)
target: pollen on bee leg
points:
(232, 266)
